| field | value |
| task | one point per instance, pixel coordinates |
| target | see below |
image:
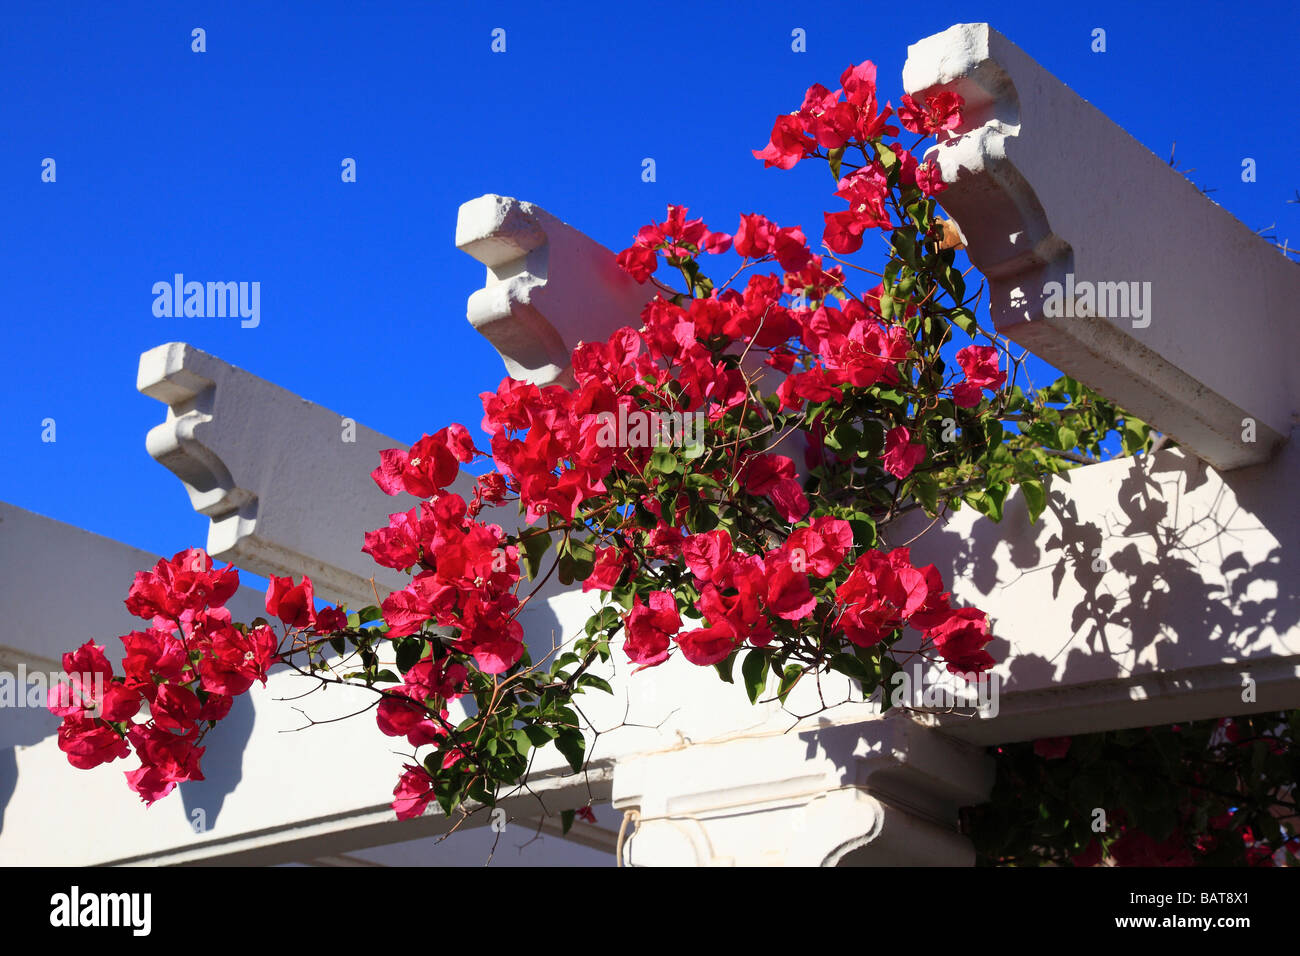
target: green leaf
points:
(539, 734)
(1135, 435)
(602, 620)
(873, 439)
(836, 156)
(573, 745)
(565, 568)
(566, 821)
(664, 462)
(844, 437)
(724, 667)
(965, 320)
(864, 530)
(754, 673)
(951, 279)
(989, 501)
(697, 479)
(850, 666)
(523, 743)
(788, 680)
(409, 651)
(905, 245)
(583, 554)
(591, 680)
(926, 491)
(888, 668)
(369, 613)
(1035, 498)
(534, 546)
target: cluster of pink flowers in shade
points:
(1133, 847)
(184, 670)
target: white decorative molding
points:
(881, 792)
(1043, 186)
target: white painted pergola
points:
(1150, 591)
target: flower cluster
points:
(183, 671)
(722, 547)
(467, 573)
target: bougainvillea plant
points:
(824, 415)
(1217, 792)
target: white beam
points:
(1044, 186)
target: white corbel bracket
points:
(282, 480)
(1045, 187)
(548, 287)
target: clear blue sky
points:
(225, 166)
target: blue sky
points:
(225, 165)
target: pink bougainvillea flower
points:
(940, 112)
(189, 581)
(901, 456)
(789, 144)
(89, 742)
(413, 792)
(291, 603)
(401, 710)
(981, 365)
(649, 628)
(331, 619)
(821, 546)
(774, 476)
(424, 471)
(717, 243)
(639, 262)
(704, 553)
(755, 236)
(929, 179)
(706, 646)
(236, 660)
(175, 708)
(175, 756)
(961, 639)
(788, 595)
(605, 573)
(430, 466)
(152, 652)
